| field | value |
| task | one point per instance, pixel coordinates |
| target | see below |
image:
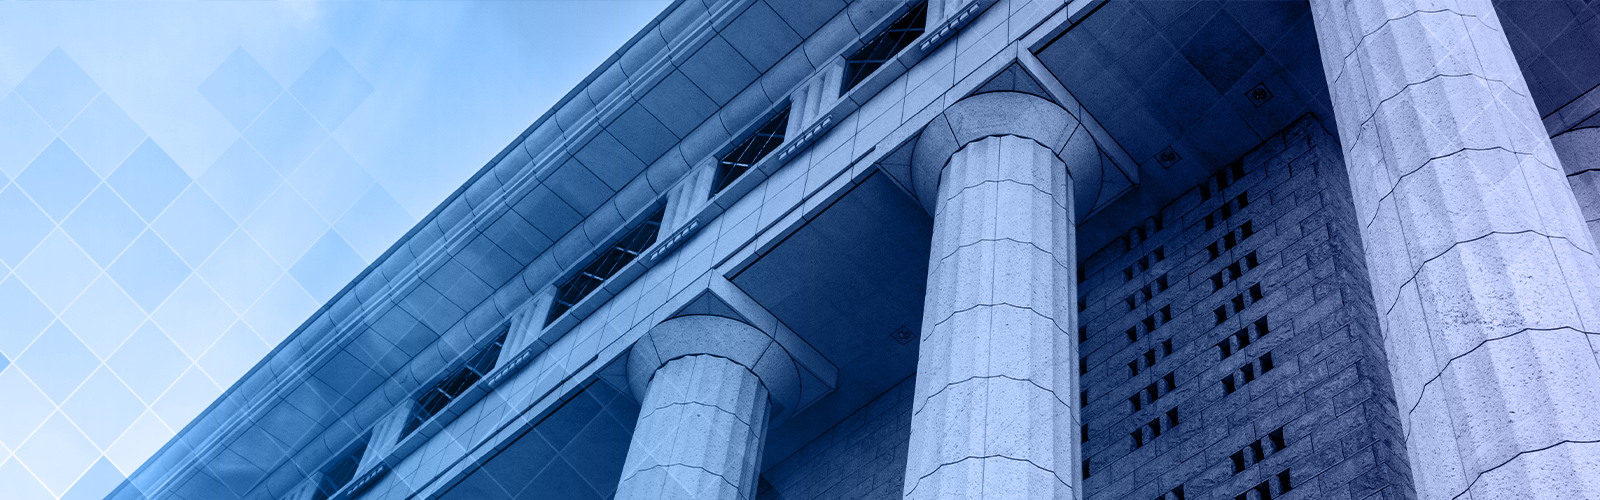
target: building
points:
(995, 249)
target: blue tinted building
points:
(982, 249)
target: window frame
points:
(884, 46)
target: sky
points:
(183, 183)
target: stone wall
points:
(861, 458)
(1231, 343)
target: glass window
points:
(750, 151)
(885, 46)
(603, 267)
(341, 473)
(456, 382)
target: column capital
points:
(726, 338)
(998, 114)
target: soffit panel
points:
(1554, 42)
(1209, 80)
(845, 282)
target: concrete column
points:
(709, 386)
(700, 433)
(993, 414)
(1482, 267)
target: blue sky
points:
(183, 183)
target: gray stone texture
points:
(992, 413)
(700, 433)
(1000, 113)
(1481, 265)
(1300, 274)
(709, 385)
(736, 341)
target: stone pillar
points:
(993, 415)
(1482, 268)
(700, 432)
(709, 385)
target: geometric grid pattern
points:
(133, 294)
(1554, 43)
(1186, 82)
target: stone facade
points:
(1234, 343)
(993, 249)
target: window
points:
(456, 382)
(885, 46)
(340, 473)
(603, 267)
(750, 151)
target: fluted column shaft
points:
(1481, 265)
(700, 433)
(992, 417)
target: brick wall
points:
(1231, 345)
(861, 458)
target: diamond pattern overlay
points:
(133, 294)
